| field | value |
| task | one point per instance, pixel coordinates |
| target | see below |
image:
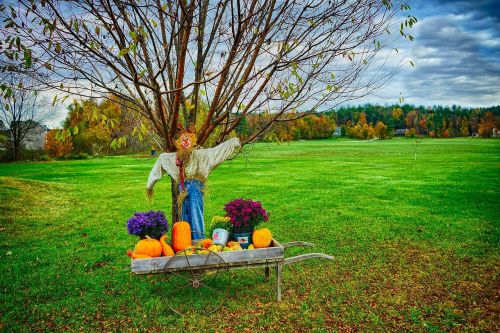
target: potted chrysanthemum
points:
(153, 224)
(220, 229)
(245, 215)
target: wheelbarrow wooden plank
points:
(203, 261)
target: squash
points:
(149, 246)
(231, 243)
(262, 238)
(205, 243)
(134, 255)
(181, 236)
(166, 250)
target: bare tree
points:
(167, 58)
(22, 112)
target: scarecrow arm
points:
(217, 155)
(165, 163)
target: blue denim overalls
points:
(192, 208)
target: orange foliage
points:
(397, 113)
(56, 148)
(487, 124)
(362, 130)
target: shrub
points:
(57, 148)
(410, 133)
(45, 158)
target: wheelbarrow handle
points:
(291, 244)
(301, 257)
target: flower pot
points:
(220, 236)
(243, 236)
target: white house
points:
(36, 137)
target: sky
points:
(456, 53)
(456, 56)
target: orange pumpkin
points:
(181, 236)
(166, 249)
(149, 246)
(231, 243)
(133, 255)
(262, 238)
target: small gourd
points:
(136, 256)
(149, 246)
(166, 249)
(181, 236)
(262, 238)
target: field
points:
(412, 226)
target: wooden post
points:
(279, 268)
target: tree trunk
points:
(175, 196)
(16, 151)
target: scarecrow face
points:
(186, 141)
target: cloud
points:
(456, 52)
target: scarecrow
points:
(189, 168)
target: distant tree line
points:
(437, 121)
(108, 127)
(382, 122)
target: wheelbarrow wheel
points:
(195, 288)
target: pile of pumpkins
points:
(181, 240)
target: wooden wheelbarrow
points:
(184, 270)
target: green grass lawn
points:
(416, 241)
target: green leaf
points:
(75, 130)
(412, 64)
(114, 144)
(97, 30)
(123, 52)
(54, 100)
(27, 58)
(133, 48)
(58, 48)
(144, 129)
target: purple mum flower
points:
(153, 224)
